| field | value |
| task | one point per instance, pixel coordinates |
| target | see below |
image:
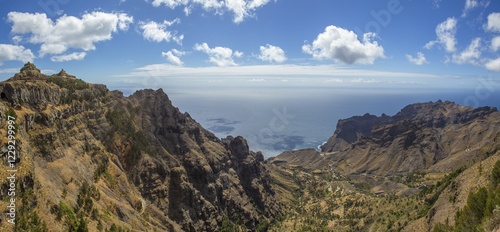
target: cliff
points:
(432, 136)
(91, 159)
(433, 166)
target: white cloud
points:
(170, 3)
(68, 31)
(220, 56)
(469, 5)
(343, 46)
(272, 54)
(435, 3)
(173, 56)
(445, 33)
(9, 70)
(495, 43)
(264, 71)
(493, 22)
(470, 55)
(257, 80)
(158, 32)
(68, 57)
(17, 39)
(15, 52)
(493, 65)
(419, 60)
(240, 9)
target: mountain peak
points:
(28, 71)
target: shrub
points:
(495, 174)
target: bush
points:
(72, 85)
(481, 205)
(66, 213)
(495, 174)
(121, 122)
(69, 83)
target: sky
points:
(135, 44)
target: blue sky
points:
(148, 44)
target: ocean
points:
(276, 119)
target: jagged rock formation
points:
(414, 171)
(29, 71)
(90, 157)
(351, 130)
(434, 136)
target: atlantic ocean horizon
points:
(274, 120)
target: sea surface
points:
(275, 119)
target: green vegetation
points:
(66, 213)
(11, 112)
(435, 191)
(117, 228)
(27, 219)
(102, 166)
(75, 218)
(482, 211)
(121, 122)
(495, 174)
(84, 201)
(68, 83)
(262, 226)
(228, 225)
(72, 85)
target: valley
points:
(91, 159)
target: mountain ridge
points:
(92, 158)
(371, 144)
(422, 169)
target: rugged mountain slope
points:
(414, 171)
(90, 158)
(435, 136)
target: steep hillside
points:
(435, 136)
(428, 168)
(91, 159)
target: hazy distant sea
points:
(277, 119)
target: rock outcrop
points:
(91, 157)
(434, 136)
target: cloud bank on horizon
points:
(421, 37)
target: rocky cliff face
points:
(92, 158)
(351, 130)
(433, 136)
(424, 169)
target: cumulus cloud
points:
(342, 45)
(419, 60)
(493, 65)
(470, 55)
(495, 43)
(240, 9)
(220, 56)
(493, 22)
(158, 32)
(445, 33)
(272, 53)
(68, 57)
(173, 56)
(15, 52)
(67, 31)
